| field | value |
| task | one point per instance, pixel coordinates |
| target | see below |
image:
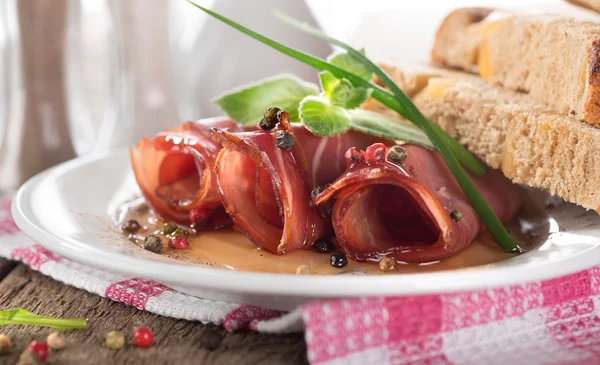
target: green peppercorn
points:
(397, 154)
(323, 246)
(316, 191)
(131, 226)
(284, 140)
(153, 243)
(179, 232)
(169, 228)
(456, 215)
(270, 118)
(338, 259)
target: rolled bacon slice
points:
(266, 190)
(384, 209)
(175, 172)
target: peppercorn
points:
(397, 154)
(284, 140)
(40, 348)
(316, 191)
(387, 264)
(5, 344)
(179, 232)
(169, 228)
(115, 340)
(153, 243)
(270, 118)
(143, 337)
(131, 226)
(323, 246)
(56, 341)
(338, 259)
(456, 215)
(178, 242)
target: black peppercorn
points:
(169, 228)
(131, 226)
(456, 215)
(338, 259)
(270, 118)
(397, 154)
(153, 243)
(323, 246)
(284, 140)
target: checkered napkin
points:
(549, 322)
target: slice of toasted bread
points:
(555, 59)
(510, 131)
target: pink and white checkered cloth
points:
(550, 322)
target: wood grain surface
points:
(176, 341)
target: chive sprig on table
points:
(398, 101)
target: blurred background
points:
(79, 76)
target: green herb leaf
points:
(348, 63)
(22, 316)
(322, 117)
(379, 125)
(246, 104)
(342, 92)
(348, 96)
(328, 83)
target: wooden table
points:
(176, 341)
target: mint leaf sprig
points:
(448, 148)
(332, 112)
(22, 316)
(246, 104)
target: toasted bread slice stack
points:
(521, 91)
(554, 59)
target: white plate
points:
(68, 209)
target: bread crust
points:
(455, 30)
(592, 104)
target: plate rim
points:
(290, 285)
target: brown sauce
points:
(232, 250)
